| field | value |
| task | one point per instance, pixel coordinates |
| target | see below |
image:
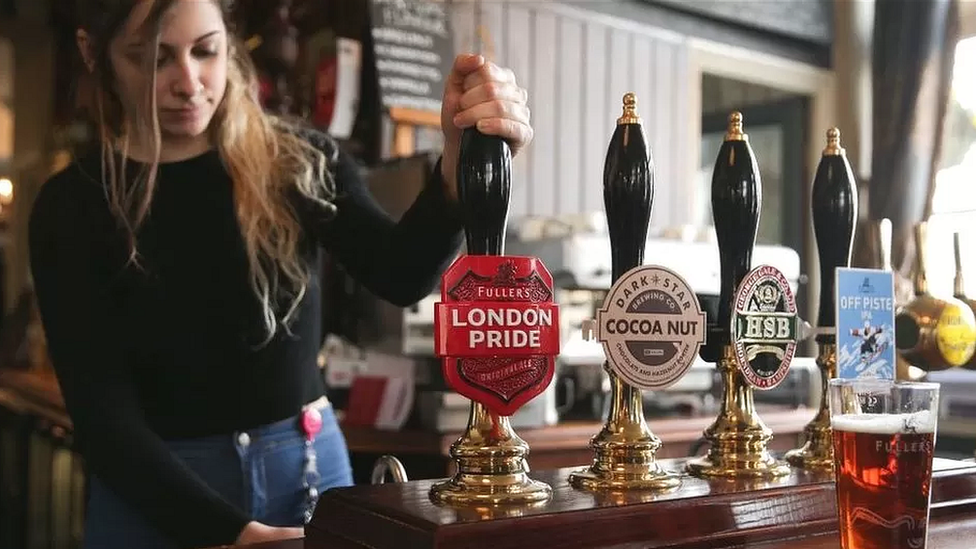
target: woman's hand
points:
(482, 94)
(256, 532)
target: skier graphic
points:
(870, 347)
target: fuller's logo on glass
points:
(896, 446)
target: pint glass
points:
(883, 435)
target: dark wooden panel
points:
(8, 8)
(721, 513)
(809, 20)
(14, 438)
(695, 24)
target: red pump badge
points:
(497, 329)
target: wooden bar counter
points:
(797, 512)
(956, 532)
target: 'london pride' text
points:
(504, 327)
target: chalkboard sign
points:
(414, 51)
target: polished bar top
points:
(953, 533)
(722, 512)
(944, 533)
(798, 512)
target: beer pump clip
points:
(651, 324)
(496, 329)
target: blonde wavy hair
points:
(266, 157)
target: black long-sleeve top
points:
(170, 349)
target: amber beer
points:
(883, 464)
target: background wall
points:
(577, 65)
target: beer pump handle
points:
(921, 264)
(884, 234)
(628, 190)
(958, 282)
(834, 215)
(484, 185)
(736, 202)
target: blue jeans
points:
(260, 470)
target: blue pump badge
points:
(865, 323)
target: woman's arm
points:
(400, 262)
(69, 235)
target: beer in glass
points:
(883, 436)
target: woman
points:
(175, 273)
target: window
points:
(954, 198)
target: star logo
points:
(655, 280)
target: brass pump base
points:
(479, 489)
(611, 472)
(738, 437)
(491, 466)
(625, 448)
(817, 454)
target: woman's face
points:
(191, 66)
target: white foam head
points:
(922, 422)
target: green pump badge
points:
(765, 327)
(651, 326)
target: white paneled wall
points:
(577, 65)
